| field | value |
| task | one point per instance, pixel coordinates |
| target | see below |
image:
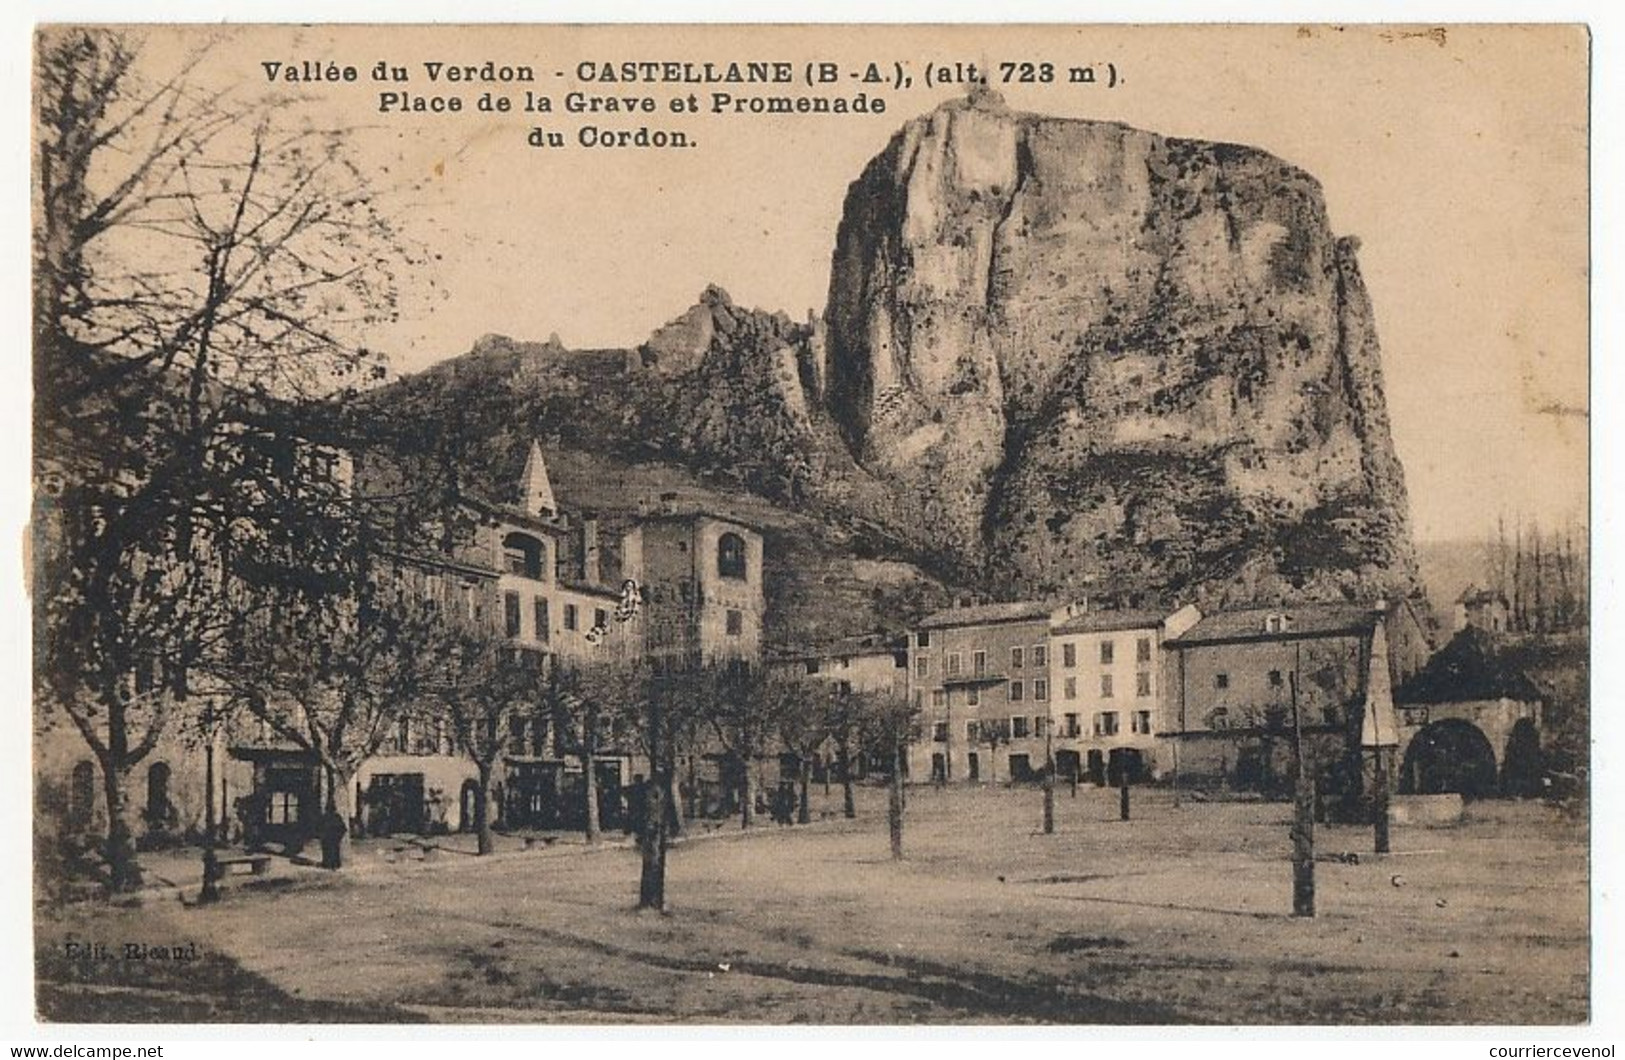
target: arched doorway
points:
(1449, 756)
(468, 806)
(1521, 765)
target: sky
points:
(1458, 158)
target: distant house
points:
(1239, 680)
(868, 663)
(1470, 721)
(1482, 609)
(980, 677)
(871, 662)
(1106, 682)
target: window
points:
(971, 732)
(979, 663)
(1015, 658)
(1072, 725)
(1017, 692)
(1069, 654)
(973, 696)
(522, 555)
(922, 666)
(1142, 683)
(403, 735)
(939, 697)
(510, 613)
(1275, 679)
(1106, 652)
(1142, 722)
(1221, 681)
(1105, 686)
(939, 732)
(1106, 723)
(953, 664)
(1070, 688)
(283, 808)
(1142, 649)
(542, 623)
(1040, 724)
(731, 556)
(812, 666)
(922, 639)
(1040, 655)
(919, 699)
(570, 619)
(1275, 624)
(1040, 689)
(600, 618)
(1018, 727)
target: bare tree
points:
(477, 681)
(891, 723)
(844, 719)
(195, 262)
(743, 707)
(803, 711)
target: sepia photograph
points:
(924, 525)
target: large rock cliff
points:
(1089, 358)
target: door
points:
(395, 803)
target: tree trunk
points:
(894, 808)
(804, 811)
(124, 870)
(747, 808)
(675, 822)
(1049, 805)
(335, 826)
(589, 748)
(652, 881)
(849, 804)
(482, 811)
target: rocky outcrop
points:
(1089, 358)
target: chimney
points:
(589, 548)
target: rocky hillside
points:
(1059, 358)
(1091, 356)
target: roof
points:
(576, 585)
(1302, 620)
(1472, 596)
(846, 647)
(1106, 621)
(1468, 669)
(989, 614)
(694, 514)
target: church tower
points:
(535, 490)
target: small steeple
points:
(536, 492)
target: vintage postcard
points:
(840, 524)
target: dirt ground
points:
(1177, 916)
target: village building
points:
(682, 587)
(1482, 609)
(1470, 722)
(980, 678)
(1106, 691)
(1241, 683)
(870, 663)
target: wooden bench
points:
(258, 864)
